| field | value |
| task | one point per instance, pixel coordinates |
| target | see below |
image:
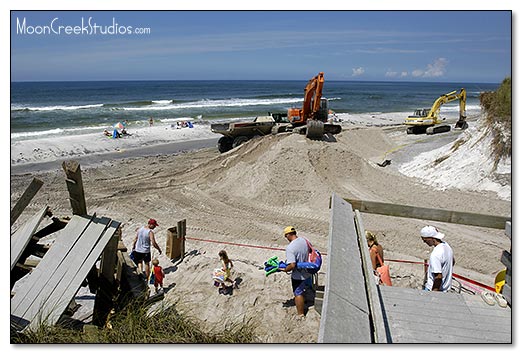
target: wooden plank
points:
(75, 187)
(419, 316)
(133, 278)
(508, 229)
(52, 260)
(407, 211)
(380, 334)
(106, 290)
(20, 239)
(505, 259)
(85, 254)
(345, 294)
(25, 199)
(182, 231)
(110, 258)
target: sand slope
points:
(249, 194)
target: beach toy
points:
(273, 265)
(500, 280)
(313, 265)
(218, 275)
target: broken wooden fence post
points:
(24, 200)
(75, 186)
(182, 232)
(176, 240)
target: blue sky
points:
(446, 46)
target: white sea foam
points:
(15, 107)
(233, 102)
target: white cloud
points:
(358, 71)
(392, 74)
(435, 69)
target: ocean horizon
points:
(51, 108)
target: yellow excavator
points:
(428, 121)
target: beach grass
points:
(497, 106)
(136, 325)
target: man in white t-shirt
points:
(440, 269)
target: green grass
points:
(133, 325)
(497, 106)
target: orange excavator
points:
(311, 118)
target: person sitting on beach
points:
(124, 132)
(116, 134)
(106, 133)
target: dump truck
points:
(236, 133)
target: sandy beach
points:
(241, 200)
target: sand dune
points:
(249, 194)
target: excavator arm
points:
(311, 103)
(312, 96)
(448, 97)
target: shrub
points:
(497, 107)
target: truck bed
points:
(248, 129)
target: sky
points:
(432, 46)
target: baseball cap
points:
(288, 230)
(431, 231)
(153, 222)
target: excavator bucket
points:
(461, 124)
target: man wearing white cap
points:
(440, 269)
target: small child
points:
(158, 275)
(227, 265)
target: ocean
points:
(46, 109)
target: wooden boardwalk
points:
(356, 310)
(54, 282)
(20, 239)
(417, 316)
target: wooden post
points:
(75, 186)
(172, 248)
(25, 199)
(182, 231)
(175, 247)
(109, 257)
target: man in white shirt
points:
(440, 269)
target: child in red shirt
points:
(158, 275)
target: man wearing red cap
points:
(141, 246)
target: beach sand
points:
(249, 194)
